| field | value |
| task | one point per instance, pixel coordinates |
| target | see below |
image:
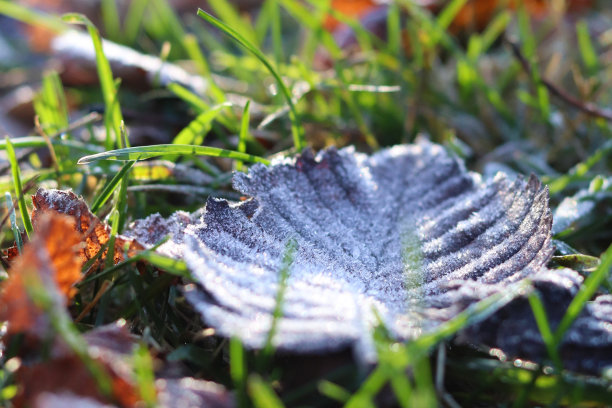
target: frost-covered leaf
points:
(406, 234)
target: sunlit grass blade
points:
(296, 127)
(109, 188)
(23, 209)
(50, 104)
(244, 134)
(112, 111)
(262, 395)
(173, 266)
(230, 15)
(144, 375)
(147, 152)
(586, 292)
(37, 141)
(13, 220)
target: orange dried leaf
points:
(96, 233)
(52, 258)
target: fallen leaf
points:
(64, 377)
(406, 232)
(52, 257)
(96, 233)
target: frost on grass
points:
(406, 237)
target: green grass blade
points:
(191, 98)
(23, 209)
(144, 375)
(228, 13)
(110, 19)
(173, 266)
(262, 395)
(195, 54)
(112, 111)
(195, 132)
(448, 14)
(244, 134)
(586, 292)
(587, 51)
(13, 220)
(147, 152)
(539, 313)
(37, 141)
(109, 188)
(29, 16)
(133, 20)
(238, 371)
(296, 127)
(290, 250)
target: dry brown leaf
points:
(111, 346)
(96, 233)
(52, 257)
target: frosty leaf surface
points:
(406, 234)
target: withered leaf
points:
(406, 234)
(95, 232)
(111, 347)
(52, 257)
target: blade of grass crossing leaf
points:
(147, 152)
(238, 371)
(262, 395)
(108, 189)
(297, 130)
(244, 133)
(541, 318)
(145, 377)
(586, 292)
(170, 265)
(13, 220)
(107, 83)
(587, 51)
(290, 250)
(23, 209)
